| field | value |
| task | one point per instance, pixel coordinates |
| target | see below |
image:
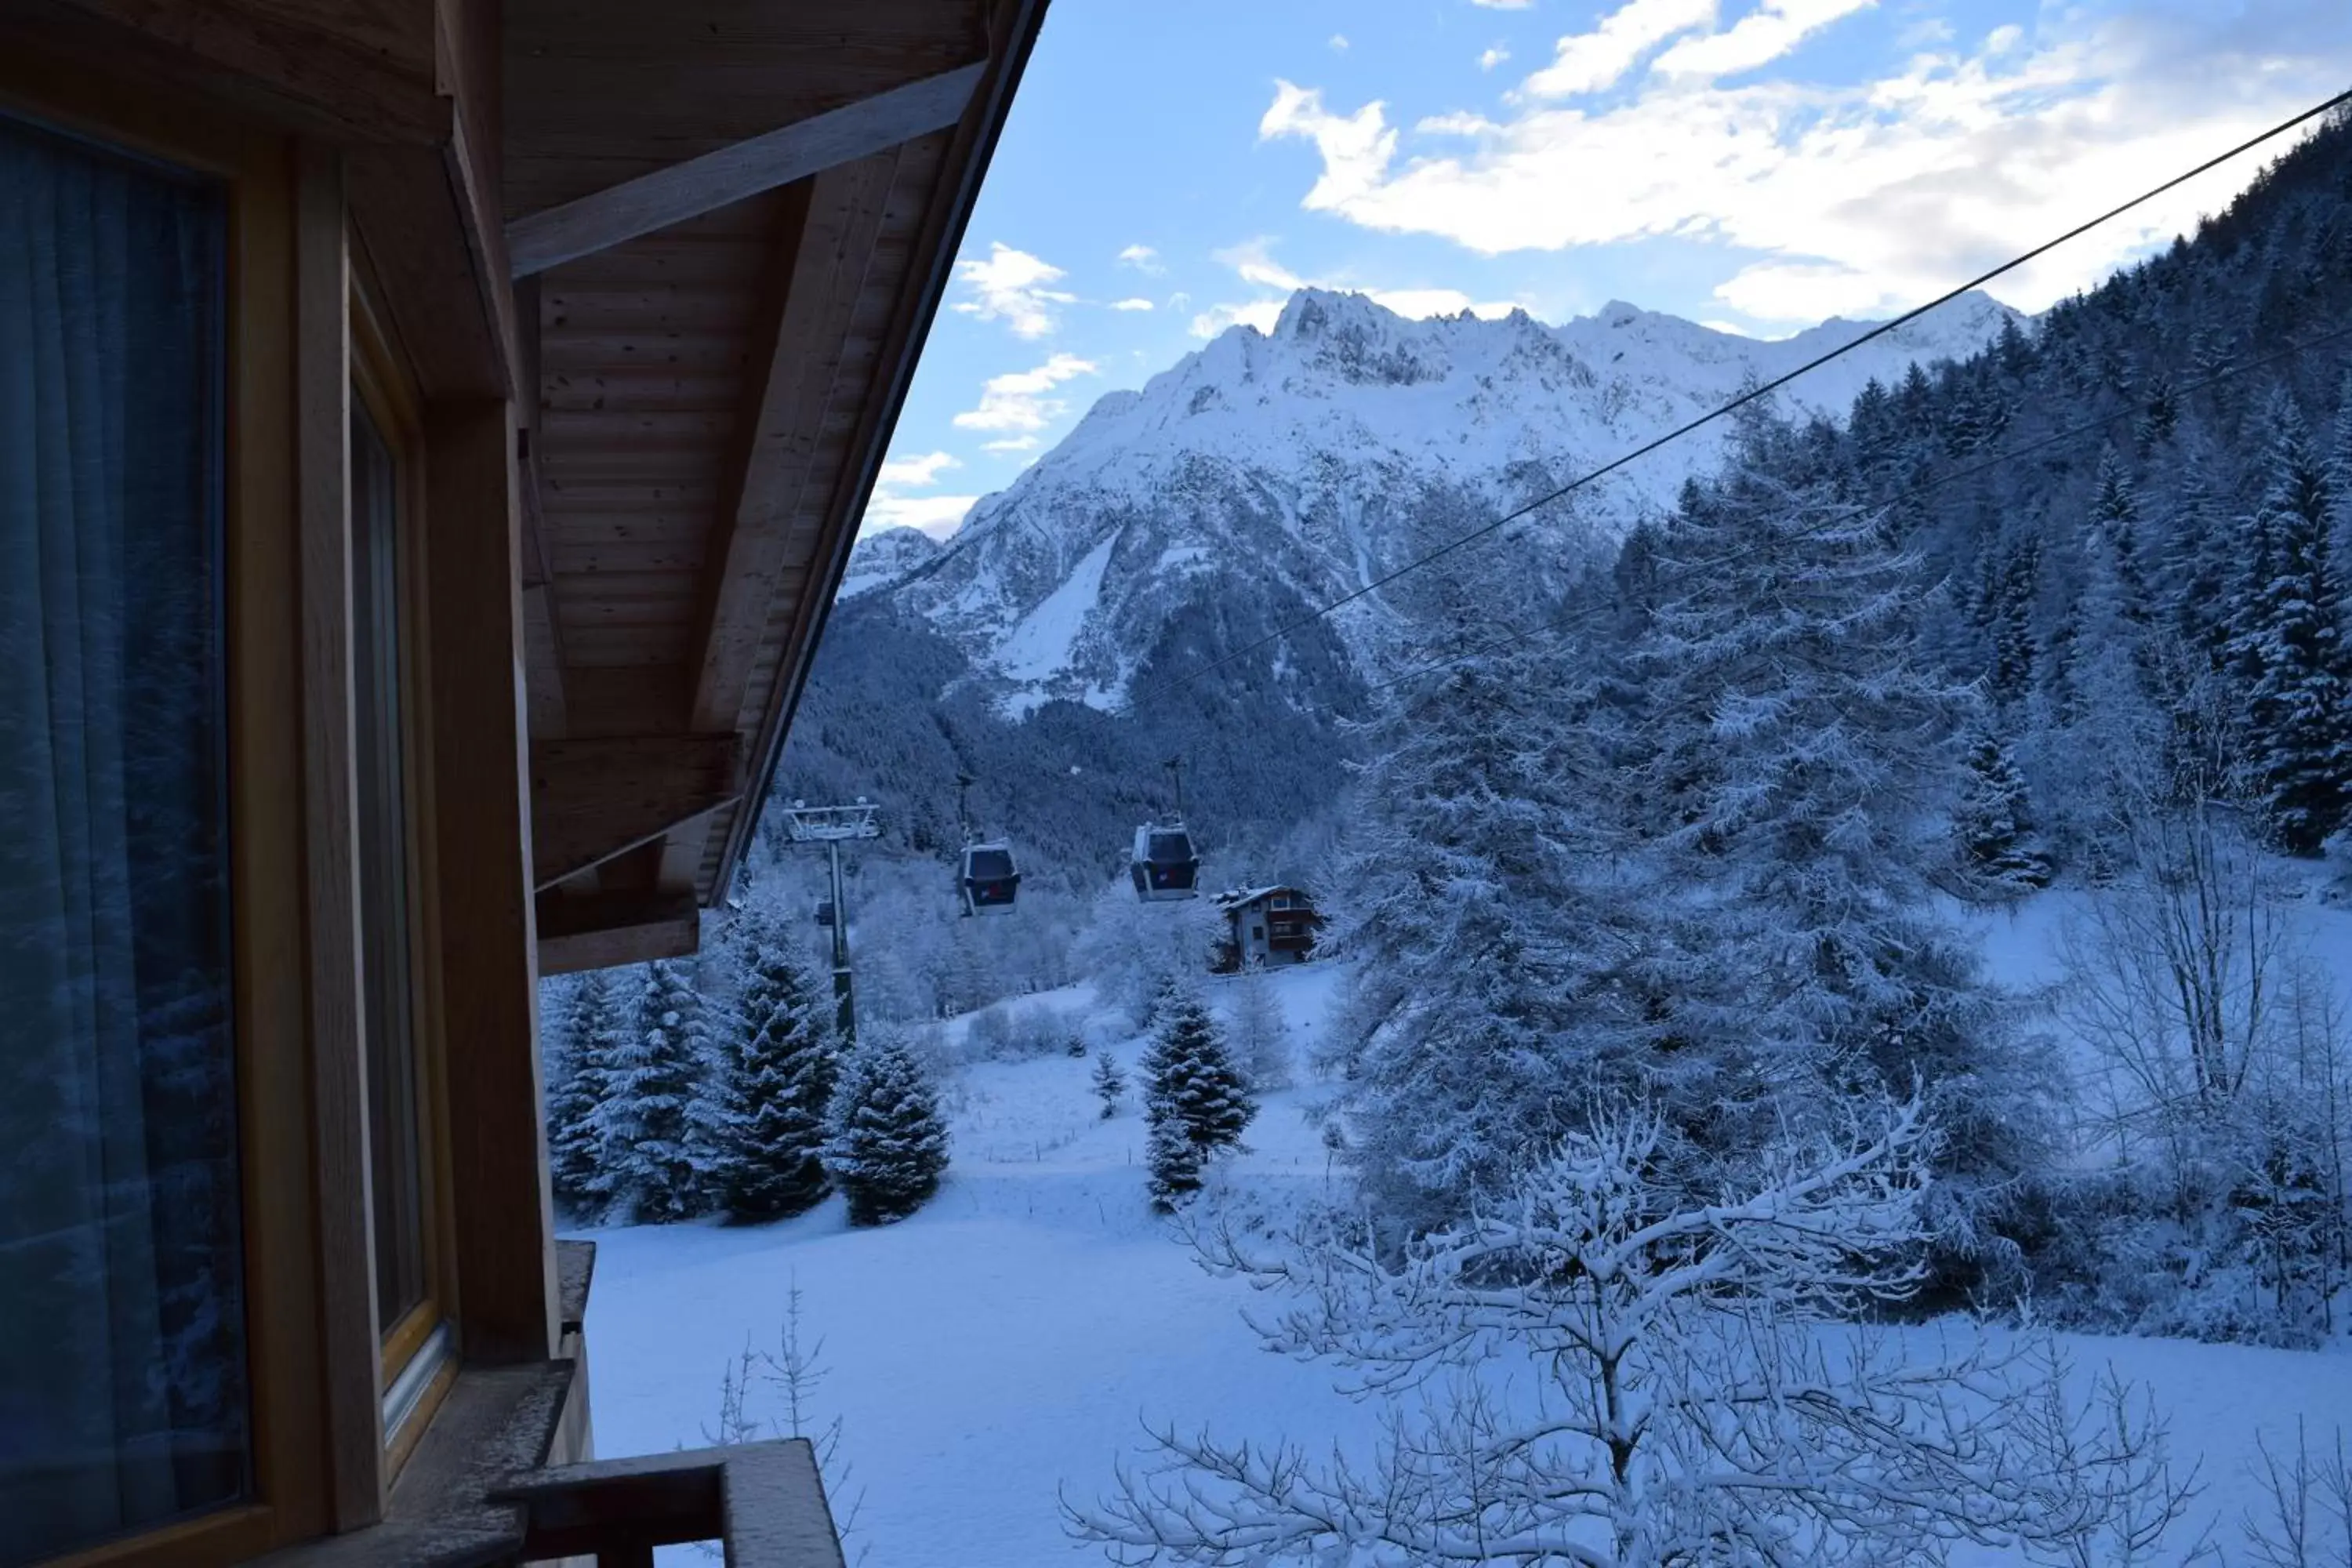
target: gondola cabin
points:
(990, 881)
(1268, 926)
(1166, 865)
(824, 913)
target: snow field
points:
(1003, 1347)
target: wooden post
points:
(505, 1240)
(330, 810)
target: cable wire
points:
(1745, 398)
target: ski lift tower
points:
(833, 825)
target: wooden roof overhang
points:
(730, 223)
(699, 244)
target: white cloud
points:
(1013, 444)
(1502, 5)
(915, 473)
(1135, 304)
(1460, 122)
(891, 507)
(1019, 401)
(1011, 286)
(1492, 58)
(1339, 43)
(1759, 39)
(1143, 258)
(1594, 61)
(1252, 260)
(1259, 313)
(1854, 198)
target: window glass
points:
(123, 1358)
(394, 1125)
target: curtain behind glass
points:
(122, 1379)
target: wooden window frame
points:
(284, 1201)
(384, 385)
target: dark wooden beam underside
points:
(592, 800)
(637, 207)
(601, 931)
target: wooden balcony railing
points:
(764, 1501)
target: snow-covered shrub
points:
(2304, 1519)
(886, 1145)
(1108, 1082)
(2225, 1105)
(1660, 1387)
(1261, 1035)
(988, 1038)
(1132, 950)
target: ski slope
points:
(1002, 1348)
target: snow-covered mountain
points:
(1278, 470)
(882, 557)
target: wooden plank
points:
(1013, 33)
(331, 837)
(822, 270)
(790, 152)
(505, 1231)
(412, 223)
(350, 69)
(602, 930)
(594, 799)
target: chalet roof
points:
(715, 391)
(1238, 898)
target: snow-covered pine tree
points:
(645, 1127)
(1993, 826)
(579, 1081)
(1497, 932)
(1260, 1036)
(2291, 640)
(781, 1069)
(1799, 754)
(1191, 1087)
(886, 1144)
(1109, 1083)
(1171, 1163)
(2116, 522)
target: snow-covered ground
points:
(1003, 1347)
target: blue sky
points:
(1171, 169)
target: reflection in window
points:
(123, 1373)
(393, 1123)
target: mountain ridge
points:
(1295, 466)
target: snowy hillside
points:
(1299, 464)
(1001, 1352)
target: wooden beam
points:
(820, 273)
(505, 1228)
(592, 800)
(331, 809)
(655, 201)
(599, 931)
(1013, 33)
